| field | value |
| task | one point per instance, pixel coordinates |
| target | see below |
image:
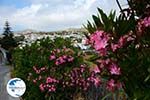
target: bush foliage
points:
(119, 61)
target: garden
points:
(115, 67)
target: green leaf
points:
(97, 21)
(91, 28)
(107, 21)
(103, 16)
(147, 78)
(112, 15)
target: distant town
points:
(76, 34)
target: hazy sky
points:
(50, 15)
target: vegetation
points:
(118, 65)
(8, 42)
(37, 55)
(125, 41)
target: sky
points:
(51, 15)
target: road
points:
(4, 78)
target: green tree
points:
(8, 42)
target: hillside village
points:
(76, 34)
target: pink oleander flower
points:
(97, 81)
(61, 60)
(51, 80)
(40, 77)
(52, 88)
(99, 40)
(111, 85)
(114, 47)
(107, 61)
(52, 57)
(43, 68)
(57, 63)
(34, 81)
(70, 59)
(34, 68)
(114, 69)
(82, 68)
(96, 69)
(103, 63)
(146, 21)
(122, 41)
(130, 38)
(37, 71)
(41, 87)
(64, 59)
(142, 24)
(103, 52)
(139, 28)
(64, 56)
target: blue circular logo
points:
(16, 87)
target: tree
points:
(8, 42)
(7, 30)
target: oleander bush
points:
(55, 70)
(123, 45)
(37, 54)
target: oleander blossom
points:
(142, 24)
(77, 79)
(63, 59)
(96, 69)
(52, 57)
(95, 80)
(113, 85)
(146, 21)
(58, 58)
(47, 87)
(99, 41)
(51, 80)
(42, 87)
(114, 47)
(110, 66)
(122, 41)
(114, 69)
(40, 70)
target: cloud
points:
(47, 15)
(27, 11)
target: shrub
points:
(53, 70)
(37, 53)
(123, 46)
